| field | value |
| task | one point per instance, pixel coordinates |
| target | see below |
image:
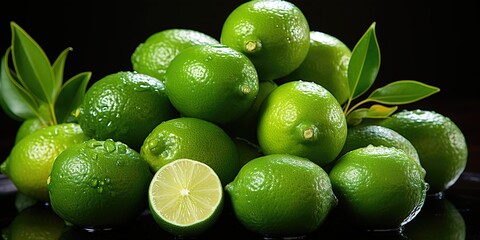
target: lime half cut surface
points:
(185, 197)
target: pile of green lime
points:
(267, 118)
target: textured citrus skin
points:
(192, 138)
(212, 82)
(275, 35)
(99, 184)
(440, 144)
(364, 135)
(31, 159)
(28, 126)
(378, 187)
(153, 56)
(186, 214)
(124, 106)
(302, 118)
(326, 64)
(281, 195)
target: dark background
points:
(428, 41)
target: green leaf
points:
(402, 92)
(32, 65)
(71, 95)
(375, 111)
(14, 99)
(58, 68)
(364, 63)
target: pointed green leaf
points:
(32, 65)
(402, 92)
(15, 100)
(58, 68)
(364, 63)
(71, 95)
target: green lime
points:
(28, 126)
(153, 56)
(192, 138)
(302, 118)
(211, 82)
(185, 197)
(364, 135)
(99, 184)
(30, 161)
(440, 144)
(281, 195)
(275, 35)
(37, 222)
(326, 64)
(246, 126)
(378, 188)
(124, 106)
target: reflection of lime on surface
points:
(35, 222)
(185, 197)
(439, 219)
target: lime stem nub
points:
(308, 133)
(245, 89)
(252, 46)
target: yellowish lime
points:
(31, 159)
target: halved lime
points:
(185, 197)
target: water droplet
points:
(122, 148)
(101, 182)
(109, 145)
(100, 189)
(92, 143)
(94, 182)
(107, 180)
(208, 58)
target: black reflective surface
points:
(454, 216)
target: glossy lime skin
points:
(302, 118)
(326, 64)
(441, 145)
(124, 106)
(31, 159)
(99, 184)
(378, 188)
(153, 56)
(275, 35)
(212, 82)
(281, 195)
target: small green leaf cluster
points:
(33, 87)
(363, 70)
